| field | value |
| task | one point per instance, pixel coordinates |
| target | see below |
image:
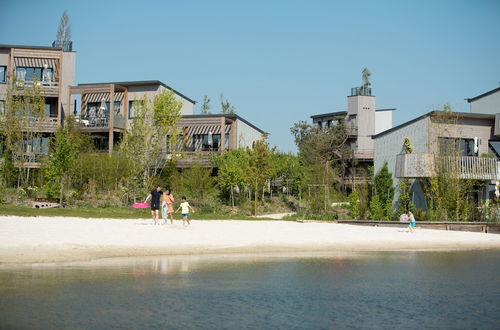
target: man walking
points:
(155, 196)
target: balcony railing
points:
(50, 87)
(363, 153)
(430, 165)
(100, 121)
(45, 124)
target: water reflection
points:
(362, 290)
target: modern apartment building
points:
(53, 69)
(363, 121)
(469, 137)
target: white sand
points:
(41, 239)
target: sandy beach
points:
(58, 239)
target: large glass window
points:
(28, 74)
(3, 70)
(95, 109)
(456, 147)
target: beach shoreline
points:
(26, 240)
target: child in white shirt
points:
(185, 210)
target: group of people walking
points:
(164, 201)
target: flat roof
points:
(483, 95)
(219, 115)
(32, 47)
(141, 83)
(434, 113)
(330, 114)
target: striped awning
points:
(205, 129)
(34, 62)
(98, 97)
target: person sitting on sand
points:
(412, 222)
(185, 210)
(155, 196)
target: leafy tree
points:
(354, 204)
(24, 110)
(290, 169)
(377, 211)
(64, 30)
(260, 167)
(404, 185)
(226, 107)
(205, 106)
(385, 191)
(324, 154)
(198, 183)
(232, 170)
(145, 143)
(67, 143)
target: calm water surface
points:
(410, 290)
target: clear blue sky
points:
(279, 62)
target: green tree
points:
(232, 171)
(354, 204)
(67, 143)
(325, 155)
(198, 183)
(384, 189)
(377, 211)
(24, 111)
(404, 185)
(226, 107)
(260, 167)
(145, 143)
(205, 106)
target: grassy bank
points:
(108, 212)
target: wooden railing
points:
(46, 124)
(50, 88)
(430, 165)
(100, 121)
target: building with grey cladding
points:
(471, 136)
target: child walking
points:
(412, 222)
(185, 210)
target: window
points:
(24, 73)
(320, 124)
(3, 69)
(94, 109)
(28, 74)
(352, 120)
(456, 147)
(329, 123)
(132, 108)
(2, 107)
(47, 75)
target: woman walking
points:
(169, 200)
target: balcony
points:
(361, 154)
(464, 167)
(49, 87)
(100, 123)
(46, 124)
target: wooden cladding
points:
(430, 165)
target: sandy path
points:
(27, 240)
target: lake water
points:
(389, 290)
